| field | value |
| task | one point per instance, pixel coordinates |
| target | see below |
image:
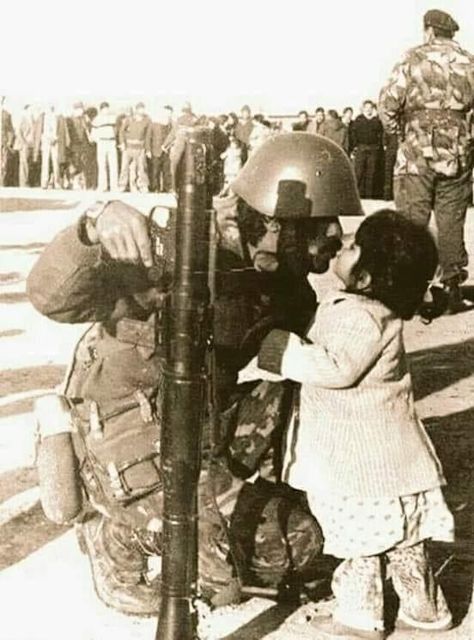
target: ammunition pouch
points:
(119, 449)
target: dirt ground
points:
(45, 588)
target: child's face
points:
(346, 260)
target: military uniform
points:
(428, 100)
(269, 239)
(114, 388)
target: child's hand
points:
(252, 372)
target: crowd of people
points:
(98, 148)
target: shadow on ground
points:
(27, 379)
(17, 205)
(264, 623)
(440, 367)
(32, 247)
(16, 541)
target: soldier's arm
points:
(68, 282)
(79, 276)
(393, 97)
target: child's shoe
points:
(330, 628)
(426, 631)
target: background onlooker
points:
(244, 129)
(367, 132)
(133, 138)
(347, 120)
(78, 128)
(7, 134)
(333, 129)
(103, 133)
(53, 141)
(319, 117)
(158, 132)
(261, 131)
(303, 121)
(25, 145)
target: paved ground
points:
(45, 589)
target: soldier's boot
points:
(456, 302)
(288, 548)
(219, 581)
(118, 567)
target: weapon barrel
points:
(184, 393)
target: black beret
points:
(440, 20)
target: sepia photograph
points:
(237, 320)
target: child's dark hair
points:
(401, 258)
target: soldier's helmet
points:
(299, 175)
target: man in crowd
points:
(158, 132)
(187, 117)
(333, 129)
(103, 133)
(273, 231)
(367, 132)
(7, 135)
(53, 141)
(318, 120)
(427, 100)
(347, 119)
(243, 130)
(302, 123)
(78, 129)
(25, 145)
(133, 137)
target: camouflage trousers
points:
(256, 530)
(416, 196)
(260, 533)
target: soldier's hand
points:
(123, 233)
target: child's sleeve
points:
(252, 372)
(351, 346)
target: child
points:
(232, 157)
(355, 444)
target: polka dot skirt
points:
(356, 527)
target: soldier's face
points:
(324, 241)
(308, 245)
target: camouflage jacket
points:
(428, 101)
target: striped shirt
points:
(356, 431)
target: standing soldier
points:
(428, 100)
